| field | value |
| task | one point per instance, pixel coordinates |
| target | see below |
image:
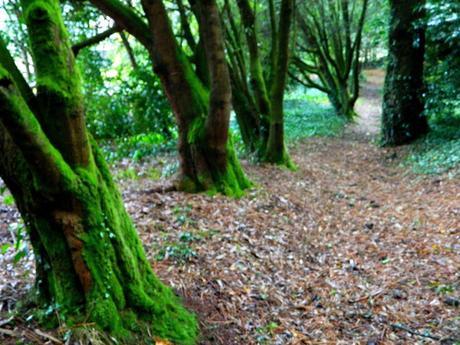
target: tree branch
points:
(126, 18)
(28, 136)
(7, 61)
(95, 39)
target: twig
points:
(402, 327)
(7, 321)
(49, 337)
(8, 332)
(167, 188)
(367, 296)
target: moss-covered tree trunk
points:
(91, 266)
(257, 80)
(276, 151)
(189, 99)
(342, 100)
(402, 119)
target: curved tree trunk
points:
(91, 266)
(189, 99)
(402, 118)
(208, 161)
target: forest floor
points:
(352, 248)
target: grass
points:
(308, 113)
(438, 152)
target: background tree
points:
(259, 104)
(374, 47)
(403, 120)
(207, 158)
(90, 263)
(329, 46)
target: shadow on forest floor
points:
(352, 248)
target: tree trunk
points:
(276, 151)
(189, 99)
(402, 119)
(257, 80)
(342, 100)
(91, 266)
(248, 119)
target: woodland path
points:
(352, 248)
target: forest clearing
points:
(224, 172)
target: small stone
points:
(369, 226)
(452, 301)
(398, 294)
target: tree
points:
(207, 158)
(90, 263)
(329, 49)
(275, 151)
(402, 119)
(259, 105)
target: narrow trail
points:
(342, 251)
(369, 105)
(349, 249)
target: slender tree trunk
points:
(247, 117)
(91, 266)
(276, 151)
(402, 119)
(257, 80)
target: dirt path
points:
(349, 249)
(369, 105)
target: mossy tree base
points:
(107, 279)
(276, 152)
(213, 171)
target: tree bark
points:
(276, 151)
(91, 266)
(257, 81)
(403, 120)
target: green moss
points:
(233, 181)
(196, 131)
(51, 50)
(124, 285)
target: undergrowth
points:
(307, 114)
(438, 152)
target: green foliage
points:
(122, 101)
(138, 147)
(308, 114)
(442, 62)
(438, 152)
(181, 250)
(177, 251)
(375, 34)
(266, 332)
